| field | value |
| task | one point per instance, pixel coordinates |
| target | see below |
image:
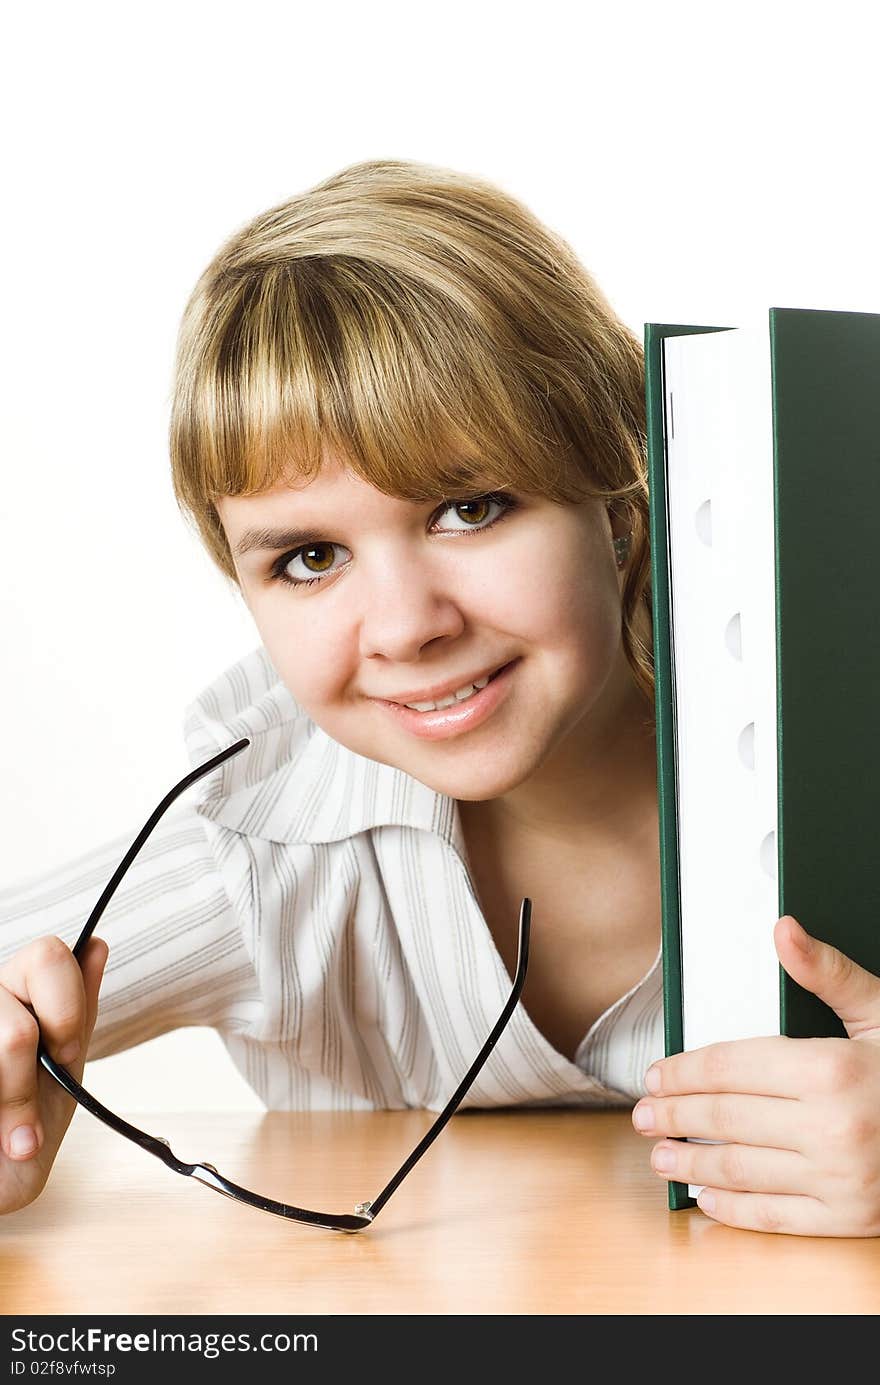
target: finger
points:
(774, 1065)
(852, 992)
(724, 1116)
(46, 976)
(21, 1131)
(786, 1215)
(736, 1167)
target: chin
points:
(474, 785)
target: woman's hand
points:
(43, 979)
(798, 1120)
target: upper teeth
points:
(461, 696)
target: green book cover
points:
(825, 389)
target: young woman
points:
(409, 428)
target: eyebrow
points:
(271, 540)
(263, 540)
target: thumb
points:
(852, 992)
(92, 964)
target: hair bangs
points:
(316, 356)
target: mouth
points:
(423, 703)
(456, 715)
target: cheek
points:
(310, 660)
(309, 678)
(571, 606)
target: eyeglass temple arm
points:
(198, 773)
(201, 1172)
(525, 917)
(154, 1144)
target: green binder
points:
(825, 390)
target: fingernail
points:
(706, 1201)
(663, 1159)
(643, 1117)
(801, 939)
(70, 1052)
(22, 1141)
(652, 1080)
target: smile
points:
(461, 695)
(459, 711)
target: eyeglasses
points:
(365, 1212)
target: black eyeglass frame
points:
(365, 1212)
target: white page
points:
(720, 499)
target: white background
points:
(705, 161)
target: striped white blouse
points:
(315, 907)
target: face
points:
(377, 602)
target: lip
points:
(453, 721)
(442, 690)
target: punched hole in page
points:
(733, 636)
(767, 854)
(703, 523)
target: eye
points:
(314, 562)
(474, 513)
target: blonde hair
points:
(430, 329)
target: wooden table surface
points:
(526, 1212)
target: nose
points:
(406, 608)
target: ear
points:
(619, 519)
(620, 525)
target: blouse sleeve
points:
(177, 953)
